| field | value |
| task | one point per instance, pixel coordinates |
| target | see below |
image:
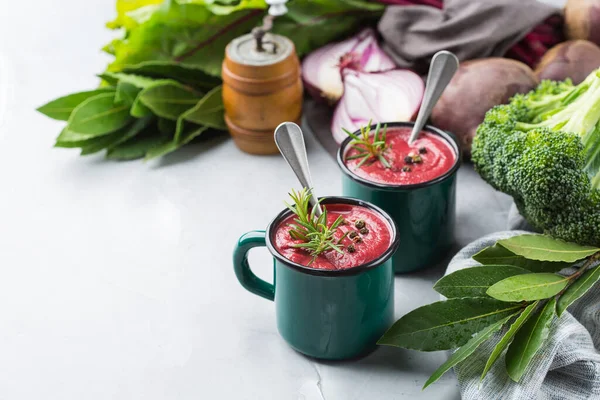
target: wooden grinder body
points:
(260, 91)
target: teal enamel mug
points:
(326, 314)
(424, 213)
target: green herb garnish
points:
(316, 236)
(369, 149)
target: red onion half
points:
(387, 96)
(321, 69)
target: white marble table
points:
(116, 279)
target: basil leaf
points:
(466, 350)
(528, 341)
(546, 248)
(446, 324)
(61, 108)
(474, 282)
(98, 115)
(528, 287)
(496, 254)
(578, 289)
(508, 336)
(169, 99)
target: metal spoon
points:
(443, 66)
(290, 142)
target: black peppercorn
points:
(359, 224)
(351, 248)
(364, 231)
(422, 150)
(408, 160)
(357, 239)
(352, 234)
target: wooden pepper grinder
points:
(261, 85)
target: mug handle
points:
(251, 282)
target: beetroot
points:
(478, 86)
(574, 59)
(582, 20)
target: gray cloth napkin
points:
(566, 367)
(470, 29)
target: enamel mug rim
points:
(271, 228)
(447, 136)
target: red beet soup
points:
(429, 157)
(367, 236)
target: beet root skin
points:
(582, 20)
(574, 59)
(478, 86)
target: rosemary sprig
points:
(369, 149)
(316, 236)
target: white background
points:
(116, 279)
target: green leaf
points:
(135, 129)
(528, 341)
(102, 142)
(528, 287)
(167, 126)
(496, 255)
(98, 115)
(172, 70)
(508, 336)
(189, 34)
(446, 324)
(93, 144)
(126, 93)
(546, 248)
(138, 109)
(578, 289)
(466, 350)
(474, 282)
(311, 24)
(138, 146)
(138, 81)
(209, 111)
(169, 99)
(68, 139)
(124, 10)
(196, 34)
(62, 107)
(171, 146)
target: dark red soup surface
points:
(368, 244)
(433, 157)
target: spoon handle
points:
(443, 66)
(290, 142)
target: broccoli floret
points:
(543, 148)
